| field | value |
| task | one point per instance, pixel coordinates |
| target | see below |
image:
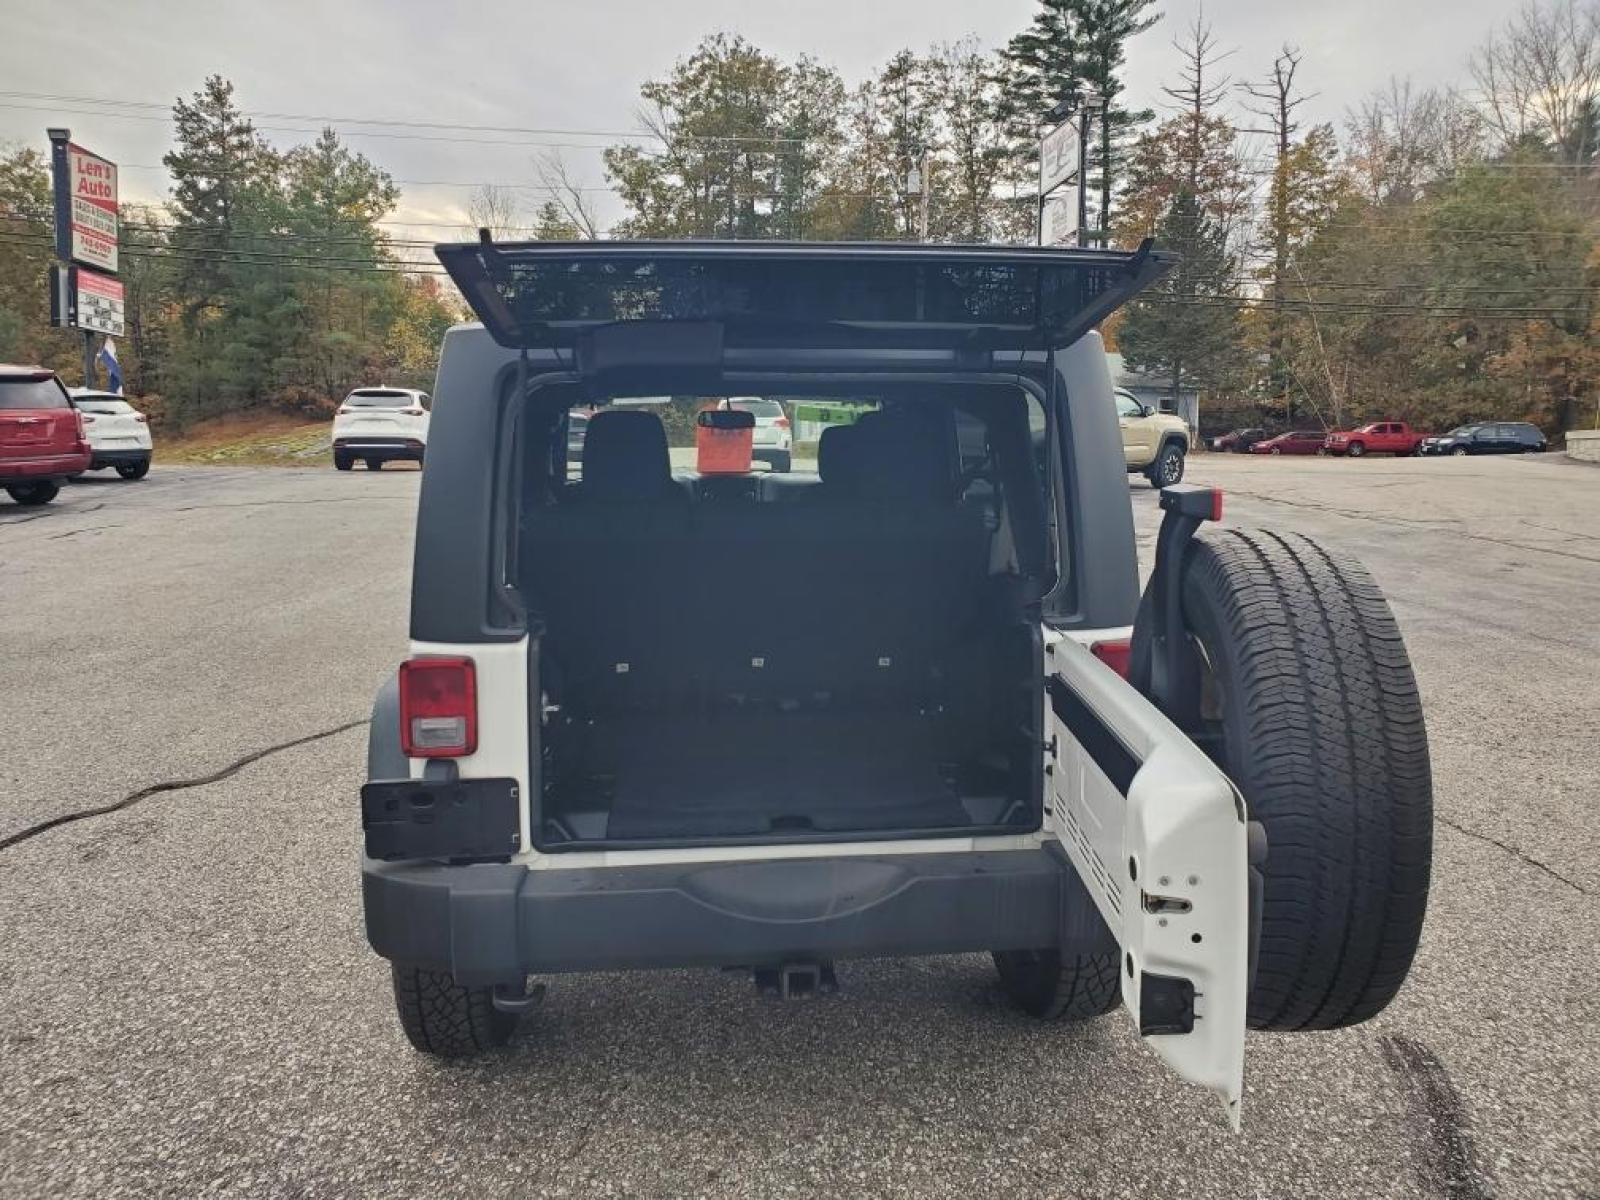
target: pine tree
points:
(1188, 327)
(1073, 46)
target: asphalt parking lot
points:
(187, 1004)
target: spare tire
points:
(1309, 703)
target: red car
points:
(42, 439)
(1380, 437)
(1299, 441)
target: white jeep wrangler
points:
(909, 703)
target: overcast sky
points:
(578, 66)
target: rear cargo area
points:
(801, 658)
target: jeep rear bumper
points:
(495, 923)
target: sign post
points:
(1060, 163)
(1064, 218)
(84, 291)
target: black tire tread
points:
(1325, 738)
(1043, 984)
(444, 1019)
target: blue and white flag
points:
(107, 358)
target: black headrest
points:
(903, 457)
(625, 456)
(833, 453)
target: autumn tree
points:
(718, 118)
(1539, 78)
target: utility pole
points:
(927, 196)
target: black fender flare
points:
(385, 758)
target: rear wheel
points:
(31, 494)
(1309, 703)
(781, 463)
(342, 462)
(1043, 984)
(134, 470)
(374, 464)
(444, 1019)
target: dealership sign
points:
(99, 302)
(1058, 220)
(86, 206)
(1058, 156)
(87, 300)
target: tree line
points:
(1431, 257)
(266, 278)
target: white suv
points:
(119, 434)
(774, 439)
(378, 424)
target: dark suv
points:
(1487, 437)
(908, 703)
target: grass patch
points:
(256, 439)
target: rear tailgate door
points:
(881, 296)
(1157, 833)
(36, 418)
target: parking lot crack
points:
(1516, 853)
(172, 785)
(56, 537)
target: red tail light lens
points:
(782, 422)
(1115, 654)
(438, 707)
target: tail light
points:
(341, 411)
(438, 707)
(140, 417)
(412, 412)
(782, 422)
(1115, 653)
(83, 420)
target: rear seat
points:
(860, 598)
(607, 570)
(855, 598)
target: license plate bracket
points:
(455, 819)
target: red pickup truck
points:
(1380, 437)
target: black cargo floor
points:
(749, 774)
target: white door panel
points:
(1157, 833)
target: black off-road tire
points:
(1042, 985)
(444, 1019)
(134, 470)
(1322, 731)
(1168, 466)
